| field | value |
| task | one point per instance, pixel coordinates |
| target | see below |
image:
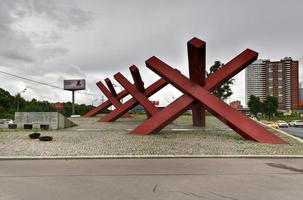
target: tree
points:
(270, 106)
(223, 91)
(254, 105)
(9, 105)
(20, 102)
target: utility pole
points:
(19, 97)
(73, 102)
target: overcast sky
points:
(53, 40)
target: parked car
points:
(282, 124)
(272, 125)
(253, 118)
(6, 121)
(296, 123)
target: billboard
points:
(74, 84)
(58, 106)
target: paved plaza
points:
(91, 138)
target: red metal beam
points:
(176, 108)
(196, 50)
(98, 109)
(140, 97)
(111, 87)
(110, 97)
(108, 94)
(138, 83)
(137, 78)
(105, 105)
(231, 117)
(131, 103)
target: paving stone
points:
(92, 138)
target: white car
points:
(296, 123)
(6, 121)
(282, 124)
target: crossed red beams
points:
(137, 90)
(196, 95)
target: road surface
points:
(213, 179)
(296, 131)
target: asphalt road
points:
(213, 179)
(296, 131)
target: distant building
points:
(138, 109)
(274, 78)
(301, 95)
(236, 104)
(255, 80)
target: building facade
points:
(301, 95)
(274, 78)
(255, 80)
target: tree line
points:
(9, 104)
(268, 107)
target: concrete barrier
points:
(55, 120)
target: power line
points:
(34, 81)
(42, 83)
(87, 93)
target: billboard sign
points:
(58, 106)
(74, 84)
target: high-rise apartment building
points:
(274, 78)
(301, 95)
(255, 80)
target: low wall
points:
(55, 120)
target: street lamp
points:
(94, 101)
(119, 86)
(19, 96)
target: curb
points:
(147, 157)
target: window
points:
(270, 68)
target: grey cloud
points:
(47, 53)
(15, 56)
(5, 12)
(21, 49)
(75, 71)
(45, 37)
(62, 12)
(16, 47)
(95, 39)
